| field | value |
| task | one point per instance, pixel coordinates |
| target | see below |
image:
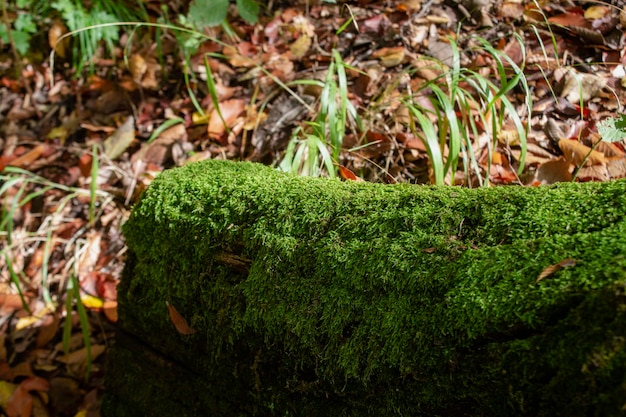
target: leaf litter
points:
(265, 87)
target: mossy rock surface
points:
(316, 297)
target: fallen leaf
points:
(569, 19)
(137, 66)
(390, 57)
(549, 270)
(179, 321)
(575, 153)
(6, 391)
(230, 109)
(346, 174)
(56, 31)
(21, 402)
(596, 12)
(556, 170)
(110, 310)
(116, 144)
(47, 332)
(577, 86)
(29, 157)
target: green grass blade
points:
(16, 281)
(93, 187)
(84, 324)
(213, 92)
(431, 141)
(163, 127)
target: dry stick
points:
(16, 55)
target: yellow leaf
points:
(91, 302)
(6, 391)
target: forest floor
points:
(77, 150)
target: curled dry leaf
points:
(549, 270)
(179, 321)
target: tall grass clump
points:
(315, 148)
(18, 189)
(461, 104)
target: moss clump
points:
(316, 297)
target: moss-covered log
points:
(313, 297)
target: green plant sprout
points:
(450, 122)
(310, 155)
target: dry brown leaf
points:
(617, 168)
(550, 172)
(116, 144)
(231, 109)
(594, 173)
(31, 156)
(137, 66)
(549, 270)
(179, 321)
(610, 150)
(346, 174)
(390, 57)
(569, 19)
(110, 310)
(57, 30)
(577, 86)
(511, 9)
(79, 357)
(47, 332)
(575, 153)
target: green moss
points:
(364, 299)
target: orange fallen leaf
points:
(346, 174)
(549, 270)
(179, 321)
(230, 109)
(110, 310)
(29, 157)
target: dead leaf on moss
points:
(179, 321)
(549, 270)
(348, 175)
